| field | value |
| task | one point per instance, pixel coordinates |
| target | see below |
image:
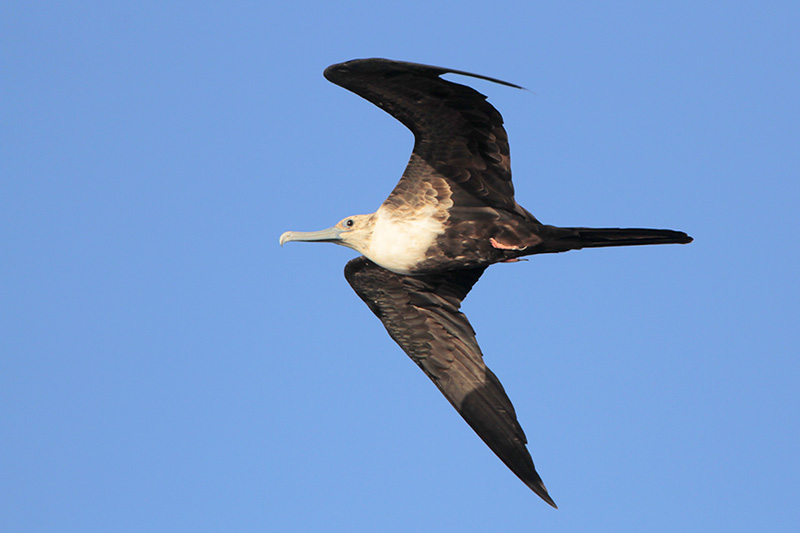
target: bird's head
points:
(354, 232)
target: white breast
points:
(397, 244)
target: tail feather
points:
(577, 238)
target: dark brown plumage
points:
(452, 214)
(421, 313)
(457, 132)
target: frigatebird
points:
(452, 214)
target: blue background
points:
(166, 366)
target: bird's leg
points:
(501, 246)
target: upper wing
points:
(421, 313)
(458, 135)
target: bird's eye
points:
(349, 223)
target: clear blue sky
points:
(166, 366)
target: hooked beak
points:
(326, 235)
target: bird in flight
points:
(452, 214)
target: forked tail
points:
(576, 238)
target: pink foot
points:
(501, 246)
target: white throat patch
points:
(397, 244)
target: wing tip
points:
(337, 71)
(541, 491)
(535, 483)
